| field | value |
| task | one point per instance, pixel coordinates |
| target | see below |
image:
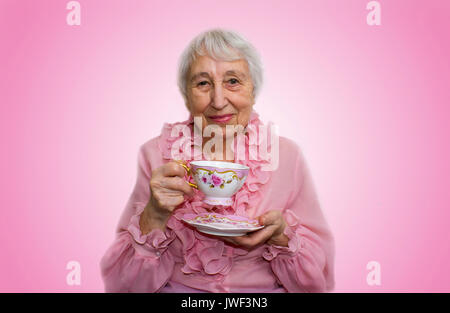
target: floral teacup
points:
(219, 181)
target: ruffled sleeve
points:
(136, 262)
(306, 265)
(152, 244)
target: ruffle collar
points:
(203, 253)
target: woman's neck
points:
(216, 150)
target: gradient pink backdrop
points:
(369, 105)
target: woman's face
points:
(220, 92)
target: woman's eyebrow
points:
(206, 74)
(236, 73)
(201, 74)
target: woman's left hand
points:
(272, 233)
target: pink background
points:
(369, 105)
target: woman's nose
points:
(218, 98)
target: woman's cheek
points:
(199, 106)
(245, 109)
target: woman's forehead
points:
(204, 65)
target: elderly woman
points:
(220, 76)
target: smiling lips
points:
(221, 118)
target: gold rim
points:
(215, 171)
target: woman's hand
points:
(272, 233)
(167, 190)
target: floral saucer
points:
(222, 225)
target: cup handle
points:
(188, 172)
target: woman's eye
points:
(233, 81)
(202, 83)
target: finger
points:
(172, 202)
(172, 169)
(270, 217)
(168, 199)
(178, 184)
(255, 238)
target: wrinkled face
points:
(220, 92)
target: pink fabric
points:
(180, 259)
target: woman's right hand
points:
(167, 190)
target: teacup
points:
(218, 180)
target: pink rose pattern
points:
(217, 181)
(214, 180)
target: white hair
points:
(222, 45)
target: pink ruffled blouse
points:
(181, 259)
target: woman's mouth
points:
(221, 118)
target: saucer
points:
(222, 225)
